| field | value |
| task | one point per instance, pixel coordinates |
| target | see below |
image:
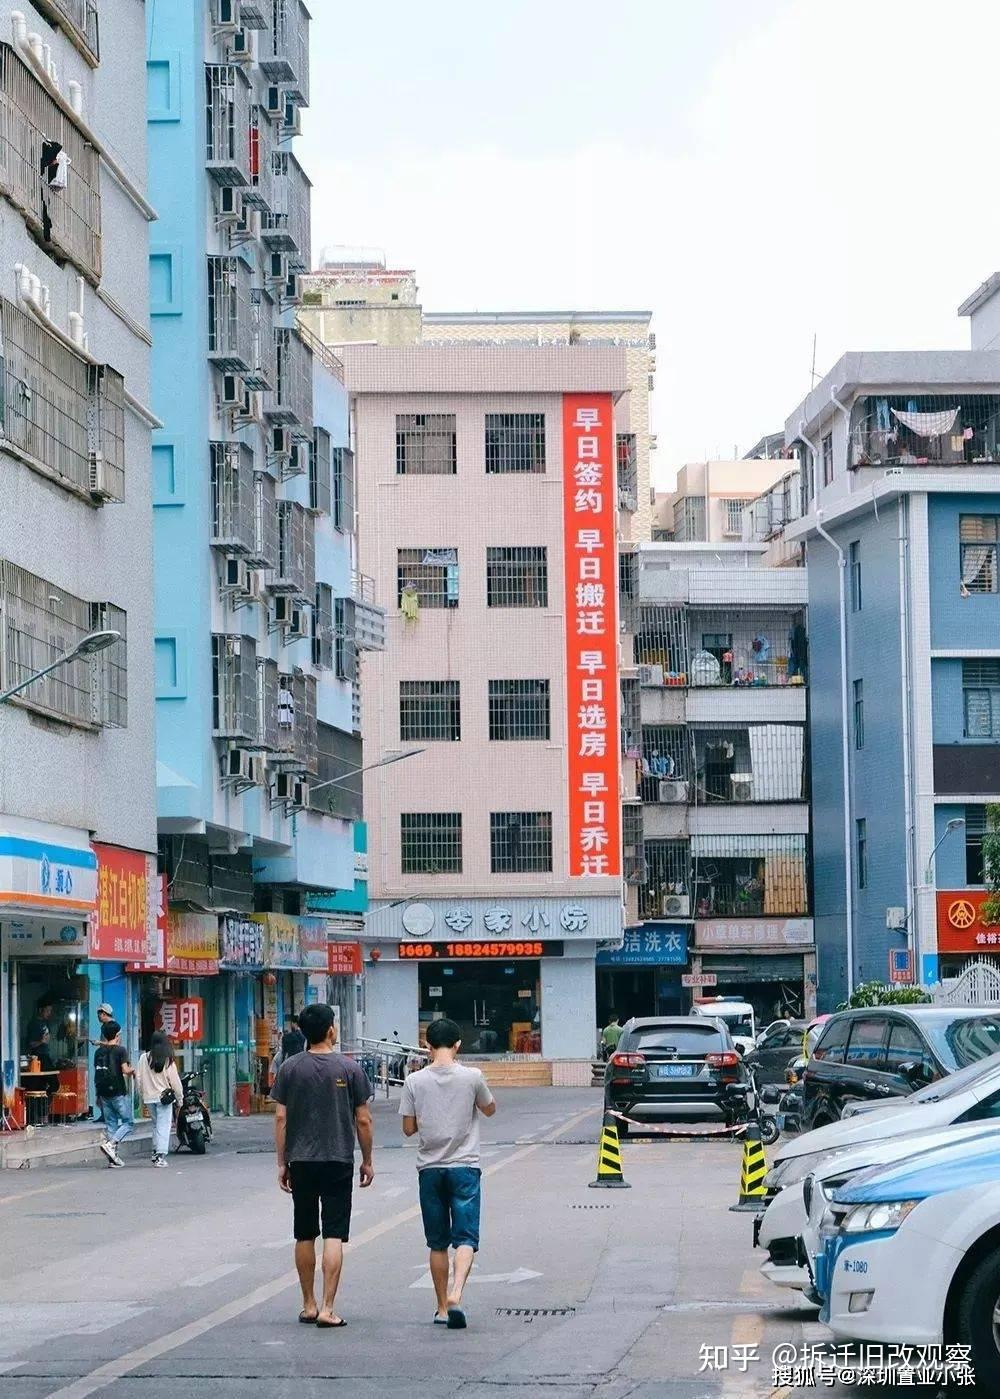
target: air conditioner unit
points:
(275, 101)
(741, 786)
(283, 609)
(672, 790)
(281, 443)
(233, 391)
(292, 119)
(277, 269)
(650, 675)
(298, 626)
(241, 47)
(225, 15)
(249, 409)
(292, 294)
(238, 765)
(100, 487)
(237, 575)
(676, 905)
(291, 789)
(229, 208)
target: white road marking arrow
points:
(518, 1275)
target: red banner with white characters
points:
(182, 1019)
(590, 491)
(123, 923)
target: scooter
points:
(194, 1122)
(746, 1104)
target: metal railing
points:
(260, 191)
(291, 399)
(232, 497)
(284, 50)
(234, 689)
(264, 370)
(79, 20)
(287, 227)
(264, 553)
(227, 131)
(386, 1062)
(296, 741)
(267, 703)
(230, 315)
(296, 570)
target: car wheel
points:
(978, 1322)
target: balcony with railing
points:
(227, 129)
(296, 741)
(773, 511)
(749, 876)
(234, 688)
(756, 763)
(80, 22)
(665, 891)
(230, 315)
(295, 573)
(924, 430)
(369, 618)
(666, 764)
(39, 622)
(287, 227)
(284, 49)
(233, 524)
(290, 400)
(49, 171)
(743, 648)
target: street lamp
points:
(89, 645)
(952, 825)
(382, 762)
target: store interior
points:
(496, 1004)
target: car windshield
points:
(957, 1082)
(684, 1039)
(967, 1039)
(738, 1024)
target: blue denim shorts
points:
(449, 1203)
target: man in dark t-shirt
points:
(321, 1106)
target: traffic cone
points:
(609, 1159)
(752, 1173)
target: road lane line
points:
(213, 1275)
(125, 1364)
(395, 1191)
(27, 1194)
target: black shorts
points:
(326, 1183)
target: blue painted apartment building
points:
(901, 519)
(260, 614)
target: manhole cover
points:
(529, 1313)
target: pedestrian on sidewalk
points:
(321, 1102)
(112, 1072)
(610, 1035)
(443, 1102)
(159, 1086)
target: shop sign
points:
(192, 944)
(590, 506)
(478, 951)
(155, 961)
(123, 926)
(49, 939)
(652, 945)
(695, 979)
(900, 967)
(242, 944)
(223, 1048)
(961, 923)
(313, 940)
(182, 1019)
(43, 871)
(344, 958)
(361, 864)
(754, 932)
(593, 918)
(282, 944)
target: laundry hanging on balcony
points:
(927, 424)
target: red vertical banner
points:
(592, 722)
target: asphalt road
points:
(178, 1284)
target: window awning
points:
(46, 869)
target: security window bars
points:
(296, 738)
(290, 402)
(861, 844)
(342, 464)
(521, 842)
(267, 704)
(429, 711)
(345, 657)
(667, 878)
(859, 714)
(286, 228)
(262, 138)
(284, 47)
(426, 444)
(339, 753)
(978, 545)
(666, 757)
(296, 570)
(232, 497)
(431, 842)
(230, 319)
(631, 716)
(323, 635)
(515, 442)
(661, 644)
(981, 696)
(689, 519)
(48, 169)
(227, 126)
(320, 475)
(756, 763)
(975, 829)
(79, 21)
(854, 562)
(827, 456)
(517, 576)
(628, 589)
(920, 430)
(519, 709)
(734, 516)
(234, 688)
(628, 478)
(429, 575)
(110, 667)
(749, 876)
(265, 522)
(632, 843)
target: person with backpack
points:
(112, 1072)
(159, 1086)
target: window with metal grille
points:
(975, 829)
(320, 477)
(234, 687)
(981, 696)
(520, 842)
(734, 515)
(342, 464)
(749, 876)
(79, 20)
(632, 843)
(666, 755)
(519, 709)
(861, 843)
(430, 573)
(430, 710)
(859, 714)
(689, 519)
(517, 576)
(426, 444)
(827, 456)
(111, 667)
(338, 754)
(854, 560)
(431, 842)
(977, 536)
(667, 877)
(515, 442)
(322, 637)
(345, 639)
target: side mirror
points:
(914, 1072)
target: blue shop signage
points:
(652, 945)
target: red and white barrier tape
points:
(674, 1131)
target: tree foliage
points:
(875, 993)
(991, 864)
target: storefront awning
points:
(46, 870)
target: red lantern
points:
(376, 954)
(269, 979)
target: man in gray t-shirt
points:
(442, 1103)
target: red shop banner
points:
(590, 493)
(961, 926)
(123, 923)
(182, 1019)
(343, 958)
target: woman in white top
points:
(156, 1073)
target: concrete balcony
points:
(666, 820)
(732, 704)
(745, 818)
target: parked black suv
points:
(666, 1065)
(886, 1052)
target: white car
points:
(789, 1229)
(911, 1255)
(738, 1017)
(971, 1094)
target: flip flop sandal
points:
(307, 1320)
(456, 1319)
(331, 1325)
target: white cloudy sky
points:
(751, 171)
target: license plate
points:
(674, 1070)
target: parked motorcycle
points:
(746, 1104)
(194, 1121)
